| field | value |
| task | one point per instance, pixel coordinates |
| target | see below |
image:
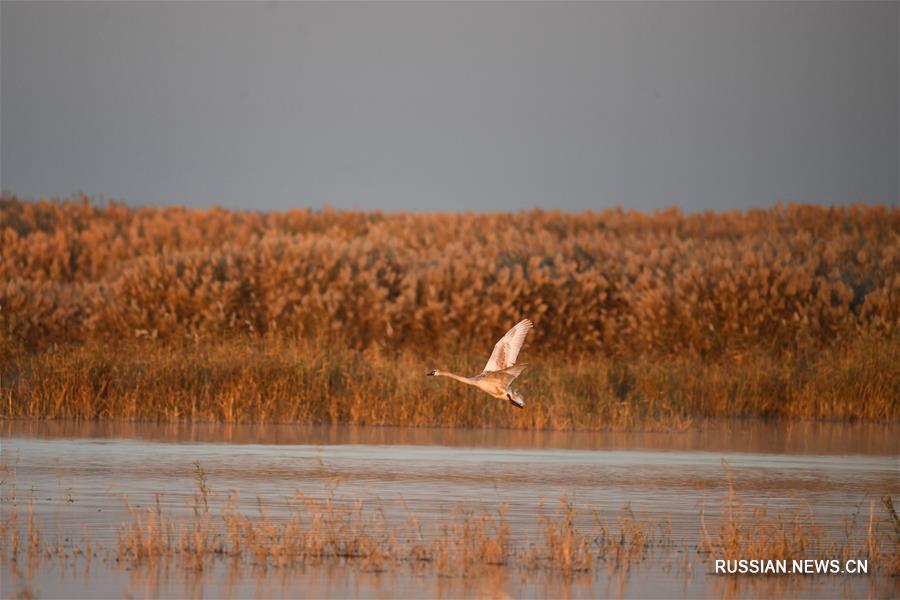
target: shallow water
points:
(76, 476)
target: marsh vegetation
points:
(111, 514)
(110, 312)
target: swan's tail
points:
(516, 398)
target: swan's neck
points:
(453, 376)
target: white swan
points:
(501, 367)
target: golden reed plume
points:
(791, 311)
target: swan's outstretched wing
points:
(507, 349)
(504, 376)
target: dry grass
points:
(278, 381)
(329, 316)
(327, 530)
(752, 533)
(565, 546)
(612, 281)
(357, 534)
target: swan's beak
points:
(430, 373)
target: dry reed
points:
(279, 381)
(325, 316)
(359, 535)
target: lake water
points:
(76, 476)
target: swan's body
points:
(501, 368)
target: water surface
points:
(76, 476)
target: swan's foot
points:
(512, 401)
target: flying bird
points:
(501, 368)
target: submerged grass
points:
(359, 534)
(753, 533)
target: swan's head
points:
(431, 373)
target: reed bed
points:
(297, 382)
(331, 316)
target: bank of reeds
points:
(331, 316)
(296, 382)
(620, 282)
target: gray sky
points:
(450, 106)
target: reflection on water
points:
(236, 580)
(75, 476)
(805, 437)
